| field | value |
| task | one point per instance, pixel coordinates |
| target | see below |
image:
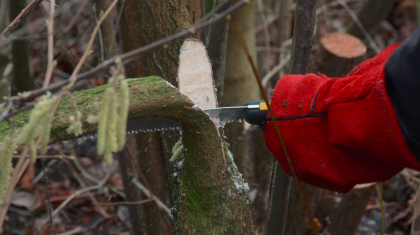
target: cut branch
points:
(127, 57)
(211, 189)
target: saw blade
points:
(145, 125)
(224, 114)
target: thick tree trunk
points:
(22, 80)
(212, 196)
(303, 33)
(239, 83)
(160, 19)
(339, 53)
(239, 88)
(145, 147)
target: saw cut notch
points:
(195, 75)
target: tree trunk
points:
(352, 207)
(303, 33)
(160, 19)
(212, 195)
(145, 147)
(21, 76)
(339, 53)
(239, 83)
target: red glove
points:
(339, 132)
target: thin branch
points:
(73, 78)
(46, 186)
(50, 28)
(275, 70)
(82, 229)
(95, 180)
(149, 190)
(59, 157)
(25, 12)
(101, 41)
(126, 57)
(361, 27)
(123, 203)
(76, 16)
(324, 14)
(160, 204)
(76, 194)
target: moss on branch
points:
(213, 197)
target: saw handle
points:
(256, 116)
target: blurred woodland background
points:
(91, 197)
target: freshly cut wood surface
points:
(195, 76)
(339, 53)
(343, 45)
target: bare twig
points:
(361, 27)
(50, 157)
(25, 12)
(73, 78)
(266, 33)
(77, 193)
(275, 70)
(76, 16)
(101, 41)
(89, 194)
(324, 14)
(83, 228)
(123, 203)
(126, 57)
(50, 27)
(46, 186)
(95, 180)
(381, 200)
(160, 204)
(149, 190)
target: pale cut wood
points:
(195, 76)
(339, 53)
(344, 45)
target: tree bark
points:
(370, 15)
(352, 207)
(160, 19)
(239, 83)
(145, 147)
(339, 53)
(212, 196)
(303, 33)
(21, 76)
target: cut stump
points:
(339, 53)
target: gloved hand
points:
(339, 132)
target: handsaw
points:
(195, 80)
